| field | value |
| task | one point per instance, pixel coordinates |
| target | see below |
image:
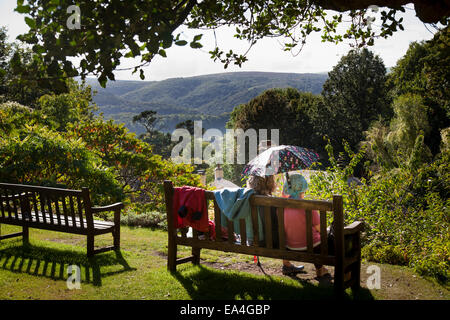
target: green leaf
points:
(181, 42)
(23, 9)
(196, 45)
(162, 53)
(30, 22)
(102, 80)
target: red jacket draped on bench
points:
(190, 209)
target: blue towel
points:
(234, 205)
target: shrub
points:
(405, 210)
(150, 219)
(37, 155)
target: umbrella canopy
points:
(280, 159)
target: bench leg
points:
(171, 255)
(356, 268)
(116, 236)
(25, 236)
(356, 274)
(196, 256)
(338, 280)
(90, 245)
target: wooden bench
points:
(55, 209)
(343, 260)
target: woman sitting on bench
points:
(295, 221)
(265, 186)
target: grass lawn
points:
(39, 271)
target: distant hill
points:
(210, 98)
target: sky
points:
(266, 55)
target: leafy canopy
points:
(112, 30)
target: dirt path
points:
(396, 283)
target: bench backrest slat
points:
(323, 233)
(217, 221)
(49, 199)
(57, 211)
(80, 213)
(2, 208)
(72, 210)
(255, 223)
(14, 201)
(65, 211)
(243, 229)
(34, 205)
(230, 229)
(7, 205)
(268, 227)
(309, 231)
(281, 234)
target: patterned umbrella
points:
(280, 159)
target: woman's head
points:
(262, 185)
(298, 185)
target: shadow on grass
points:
(205, 283)
(52, 263)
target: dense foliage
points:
(63, 144)
(405, 211)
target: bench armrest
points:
(116, 207)
(355, 227)
(112, 207)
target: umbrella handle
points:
(287, 179)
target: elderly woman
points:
(266, 186)
(295, 220)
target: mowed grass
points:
(138, 271)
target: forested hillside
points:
(209, 97)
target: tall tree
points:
(148, 119)
(288, 110)
(355, 94)
(425, 70)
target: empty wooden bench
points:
(343, 260)
(55, 209)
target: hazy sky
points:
(267, 55)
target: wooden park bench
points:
(343, 260)
(55, 209)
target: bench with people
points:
(252, 221)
